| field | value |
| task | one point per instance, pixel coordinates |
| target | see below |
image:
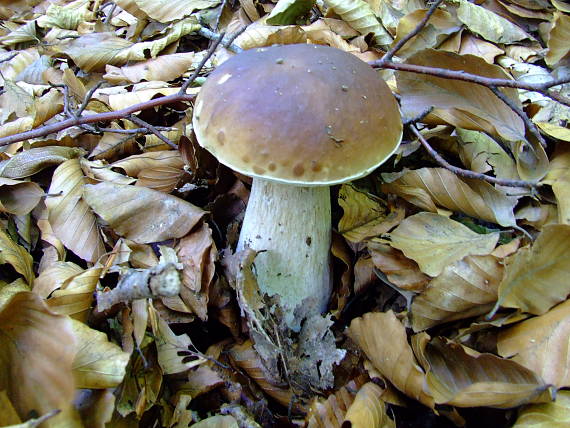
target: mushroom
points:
(298, 119)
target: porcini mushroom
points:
(298, 119)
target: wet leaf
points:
(435, 241)
(127, 209)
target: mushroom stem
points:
(293, 226)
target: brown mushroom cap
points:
(300, 114)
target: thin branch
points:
(528, 123)
(227, 42)
(234, 36)
(95, 118)
(202, 63)
(134, 130)
(152, 129)
(466, 173)
(87, 98)
(388, 56)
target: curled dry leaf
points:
(368, 410)
(31, 161)
(37, 349)
(127, 209)
(248, 360)
(136, 164)
(17, 256)
(383, 339)
(541, 344)
(462, 104)
(430, 188)
(399, 270)
(197, 253)
(458, 376)
(70, 217)
(330, 413)
(364, 216)
(19, 197)
(555, 414)
(466, 288)
(435, 241)
(536, 278)
(558, 39)
(98, 363)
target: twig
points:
(9, 57)
(388, 55)
(466, 173)
(134, 130)
(227, 43)
(235, 36)
(100, 117)
(87, 98)
(152, 129)
(202, 63)
(528, 123)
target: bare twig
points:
(152, 129)
(227, 42)
(87, 98)
(466, 173)
(528, 123)
(234, 36)
(202, 63)
(388, 55)
(134, 130)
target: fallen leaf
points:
(164, 67)
(127, 209)
(29, 162)
(19, 197)
(383, 339)
(368, 409)
(558, 39)
(17, 256)
(536, 278)
(555, 414)
(435, 241)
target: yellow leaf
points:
(368, 410)
(17, 256)
(558, 46)
(549, 415)
(435, 241)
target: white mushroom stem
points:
(293, 225)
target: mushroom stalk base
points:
(293, 226)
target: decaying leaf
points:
(127, 209)
(536, 278)
(383, 339)
(435, 241)
(541, 344)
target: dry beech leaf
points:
(460, 377)
(70, 217)
(383, 339)
(399, 270)
(98, 363)
(435, 241)
(17, 256)
(134, 165)
(488, 24)
(536, 278)
(359, 15)
(36, 354)
(364, 215)
(471, 45)
(465, 289)
(217, 421)
(127, 209)
(430, 188)
(173, 351)
(248, 360)
(558, 39)
(197, 253)
(541, 344)
(555, 414)
(462, 104)
(31, 161)
(368, 410)
(265, 35)
(163, 68)
(19, 197)
(330, 413)
(172, 10)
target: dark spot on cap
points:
(315, 166)
(246, 159)
(259, 170)
(298, 170)
(308, 241)
(271, 166)
(221, 137)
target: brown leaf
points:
(70, 217)
(460, 377)
(462, 104)
(17, 256)
(368, 409)
(19, 197)
(541, 344)
(435, 241)
(465, 289)
(536, 278)
(36, 354)
(558, 39)
(127, 209)
(383, 339)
